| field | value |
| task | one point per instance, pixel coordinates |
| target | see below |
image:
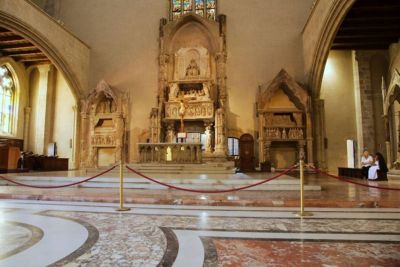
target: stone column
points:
(261, 136)
(208, 133)
(50, 108)
(27, 120)
(267, 151)
(389, 159)
(319, 133)
(301, 145)
(220, 136)
(74, 138)
(309, 139)
(84, 140)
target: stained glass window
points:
(187, 6)
(203, 8)
(211, 9)
(6, 100)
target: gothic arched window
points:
(6, 100)
(204, 8)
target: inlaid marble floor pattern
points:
(49, 233)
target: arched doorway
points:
(363, 31)
(246, 152)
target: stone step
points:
(393, 175)
(281, 184)
(205, 168)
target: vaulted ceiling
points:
(370, 24)
(20, 49)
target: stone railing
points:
(170, 153)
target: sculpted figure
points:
(193, 69)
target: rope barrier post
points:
(121, 189)
(302, 213)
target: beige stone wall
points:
(64, 118)
(262, 38)
(337, 91)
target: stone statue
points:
(173, 91)
(182, 111)
(193, 69)
(170, 134)
(284, 136)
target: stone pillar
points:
(366, 96)
(301, 145)
(50, 108)
(261, 136)
(84, 140)
(208, 133)
(74, 138)
(387, 142)
(267, 151)
(319, 133)
(309, 140)
(220, 135)
(27, 119)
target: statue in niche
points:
(106, 106)
(170, 134)
(284, 135)
(193, 69)
(173, 91)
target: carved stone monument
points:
(192, 84)
(103, 126)
(284, 122)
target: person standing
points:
(366, 162)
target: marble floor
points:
(52, 233)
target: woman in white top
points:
(366, 162)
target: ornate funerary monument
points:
(189, 123)
(285, 128)
(103, 119)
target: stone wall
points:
(261, 40)
(338, 93)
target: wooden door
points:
(246, 152)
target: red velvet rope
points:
(351, 182)
(211, 191)
(57, 186)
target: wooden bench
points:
(357, 173)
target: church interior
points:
(199, 133)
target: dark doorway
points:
(246, 148)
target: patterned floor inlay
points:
(169, 236)
(16, 237)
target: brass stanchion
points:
(302, 213)
(121, 189)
